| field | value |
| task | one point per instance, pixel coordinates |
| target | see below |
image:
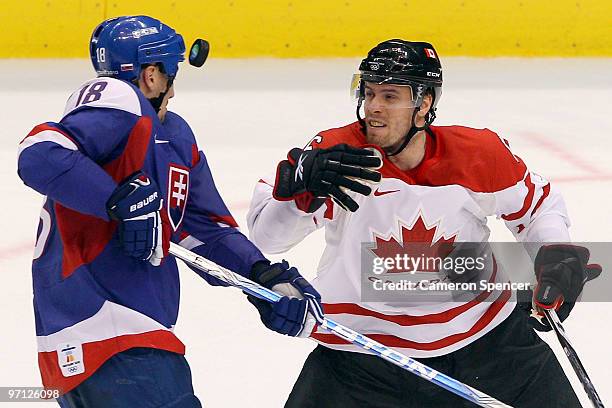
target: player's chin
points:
(376, 135)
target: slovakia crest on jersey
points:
(178, 191)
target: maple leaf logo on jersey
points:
(415, 242)
(178, 191)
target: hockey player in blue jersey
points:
(122, 178)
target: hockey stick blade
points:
(572, 356)
(448, 383)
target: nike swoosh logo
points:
(378, 193)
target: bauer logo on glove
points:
(136, 203)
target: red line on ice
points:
(566, 155)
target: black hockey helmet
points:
(404, 63)
(401, 62)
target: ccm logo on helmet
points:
(433, 74)
(144, 31)
(144, 202)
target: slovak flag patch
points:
(430, 53)
(178, 191)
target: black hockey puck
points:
(199, 52)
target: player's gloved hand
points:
(297, 312)
(310, 176)
(137, 203)
(561, 271)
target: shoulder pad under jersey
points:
(105, 93)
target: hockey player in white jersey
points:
(434, 184)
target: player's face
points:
(152, 83)
(388, 113)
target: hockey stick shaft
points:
(572, 356)
(374, 347)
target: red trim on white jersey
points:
(526, 204)
(264, 182)
(407, 320)
(394, 341)
(545, 192)
(329, 209)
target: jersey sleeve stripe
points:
(265, 182)
(224, 220)
(47, 136)
(526, 204)
(190, 242)
(545, 192)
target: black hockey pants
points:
(510, 363)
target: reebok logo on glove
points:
(144, 202)
(299, 172)
(309, 178)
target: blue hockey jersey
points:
(90, 300)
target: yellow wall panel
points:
(51, 28)
(297, 28)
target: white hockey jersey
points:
(465, 176)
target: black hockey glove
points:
(561, 271)
(310, 176)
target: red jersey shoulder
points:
(478, 159)
(475, 141)
(349, 134)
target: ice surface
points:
(246, 115)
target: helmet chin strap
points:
(413, 131)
